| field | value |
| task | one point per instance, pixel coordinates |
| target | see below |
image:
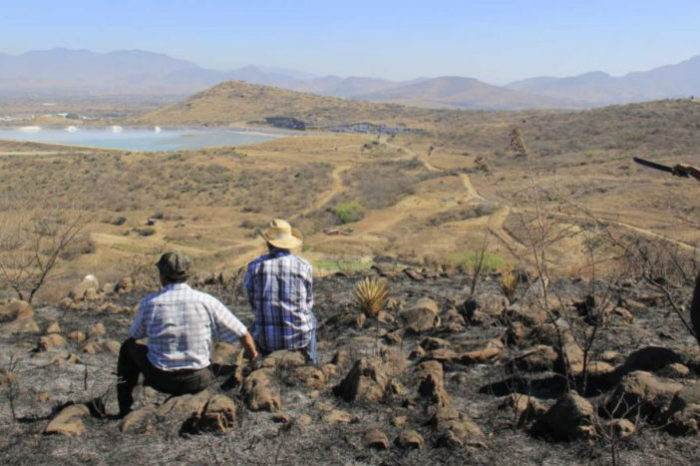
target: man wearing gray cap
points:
(179, 323)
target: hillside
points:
(462, 93)
(236, 102)
(598, 88)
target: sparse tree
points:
(31, 243)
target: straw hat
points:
(280, 234)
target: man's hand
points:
(249, 346)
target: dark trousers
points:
(695, 309)
(133, 361)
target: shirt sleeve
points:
(248, 283)
(309, 283)
(138, 328)
(227, 325)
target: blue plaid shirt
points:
(179, 323)
(280, 292)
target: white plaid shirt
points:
(179, 323)
(280, 291)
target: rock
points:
(570, 418)
(124, 285)
(674, 371)
(303, 419)
(455, 429)
(422, 317)
(395, 337)
(18, 317)
(516, 334)
(599, 368)
(183, 406)
(88, 288)
(341, 358)
(432, 343)
(526, 408)
(621, 428)
(77, 336)
(684, 412)
(330, 370)
(309, 376)
(51, 341)
(418, 353)
(283, 359)
(66, 303)
(399, 421)
(110, 308)
(53, 327)
(217, 416)
(609, 356)
(624, 314)
(537, 358)
(260, 393)
(68, 421)
(375, 438)
(112, 346)
(492, 350)
(453, 321)
(95, 347)
(642, 393)
(650, 359)
(138, 421)
(367, 380)
(431, 383)
(530, 316)
(44, 397)
(410, 439)
(97, 330)
(337, 416)
(442, 355)
(15, 310)
(569, 357)
(491, 304)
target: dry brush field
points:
(472, 210)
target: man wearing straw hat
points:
(280, 292)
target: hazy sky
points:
(496, 41)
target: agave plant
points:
(371, 296)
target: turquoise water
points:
(137, 139)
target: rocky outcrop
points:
(68, 421)
(641, 393)
(367, 380)
(431, 383)
(260, 393)
(17, 317)
(422, 317)
(570, 418)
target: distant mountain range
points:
(62, 72)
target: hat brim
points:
(292, 241)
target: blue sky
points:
(496, 41)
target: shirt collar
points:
(176, 286)
(278, 253)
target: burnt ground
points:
(476, 389)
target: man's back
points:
(279, 287)
(179, 323)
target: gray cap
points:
(174, 265)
